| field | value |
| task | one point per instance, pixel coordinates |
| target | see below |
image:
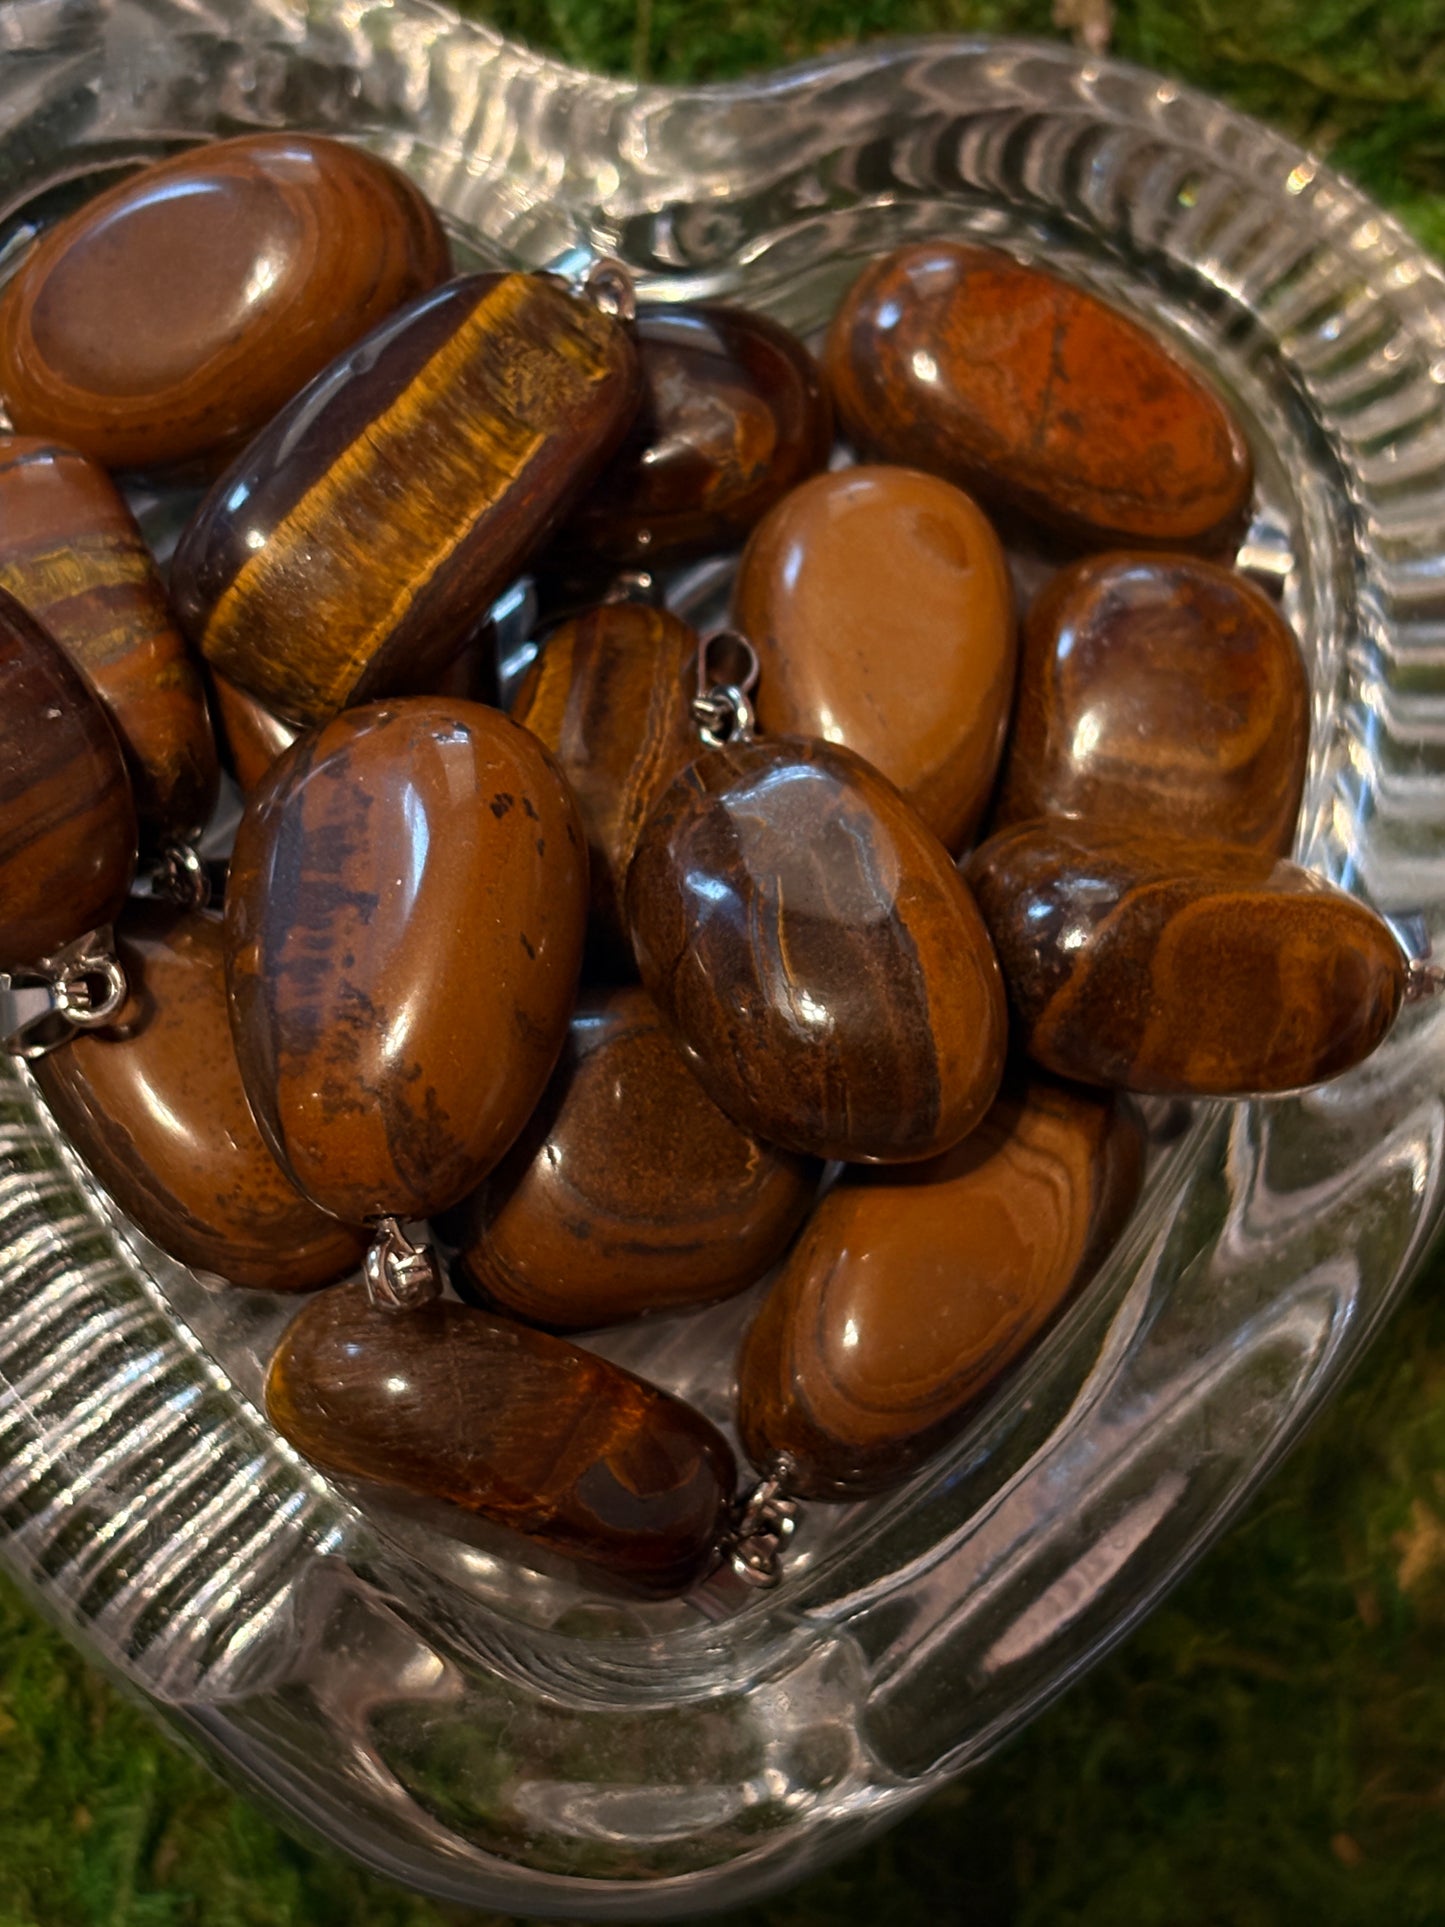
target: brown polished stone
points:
(1163, 691)
(818, 954)
(629, 1191)
(359, 540)
(734, 414)
(155, 1106)
(71, 552)
(526, 1429)
(1188, 969)
(879, 603)
(252, 736)
(611, 697)
(172, 316)
(404, 924)
(1033, 394)
(67, 821)
(911, 1292)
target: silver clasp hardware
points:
(727, 674)
(82, 987)
(765, 1522)
(400, 1276)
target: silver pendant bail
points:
(400, 1275)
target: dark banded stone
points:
(71, 552)
(365, 533)
(525, 1429)
(67, 821)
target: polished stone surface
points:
(404, 925)
(879, 602)
(818, 954)
(172, 316)
(528, 1430)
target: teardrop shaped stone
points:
(404, 924)
(734, 414)
(817, 953)
(1152, 963)
(610, 695)
(169, 318)
(363, 535)
(253, 737)
(526, 1429)
(910, 1293)
(71, 552)
(67, 819)
(629, 1191)
(1162, 692)
(155, 1106)
(1034, 395)
(880, 605)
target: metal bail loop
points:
(400, 1276)
(765, 1522)
(181, 877)
(609, 287)
(86, 988)
(1423, 978)
(727, 674)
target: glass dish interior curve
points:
(454, 1710)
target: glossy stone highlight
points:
(629, 1191)
(67, 821)
(879, 602)
(155, 1106)
(911, 1293)
(734, 414)
(529, 1431)
(1035, 395)
(817, 953)
(1162, 691)
(364, 534)
(71, 552)
(172, 316)
(404, 924)
(1185, 969)
(611, 697)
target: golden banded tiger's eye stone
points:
(817, 953)
(526, 1429)
(404, 924)
(629, 1191)
(71, 552)
(361, 537)
(734, 414)
(611, 697)
(1034, 395)
(879, 602)
(1162, 691)
(154, 1104)
(67, 821)
(172, 316)
(911, 1292)
(1152, 963)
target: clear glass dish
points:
(459, 1713)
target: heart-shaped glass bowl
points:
(452, 1709)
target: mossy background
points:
(1270, 1748)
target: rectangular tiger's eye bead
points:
(362, 535)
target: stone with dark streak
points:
(523, 1428)
(404, 926)
(817, 952)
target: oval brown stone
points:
(154, 1104)
(404, 924)
(521, 1427)
(361, 537)
(910, 1293)
(629, 1191)
(67, 820)
(818, 954)
(1033, 394)
(1186, 969)
(879, 603)
(611, 697)
(71, 552)
(1163, 691)
(734, 414)
(173, 315)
